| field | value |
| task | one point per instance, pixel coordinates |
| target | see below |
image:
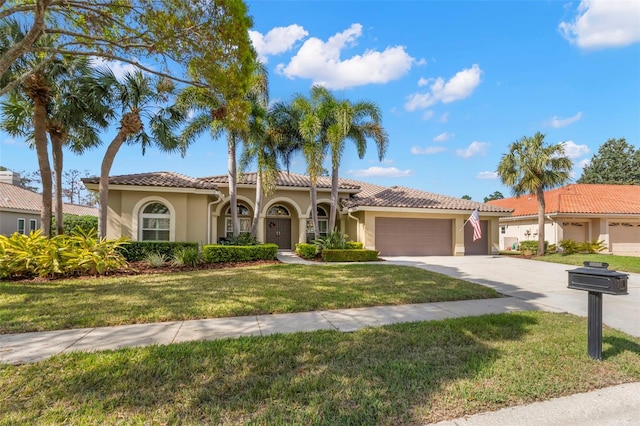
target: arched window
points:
(323, 224)
(278, 210)
(156, 222)
(244, 216)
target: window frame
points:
(244, 217)
(33, 225)
(24, 225)
(160, 216)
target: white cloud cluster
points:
(458, 87)
(487, 175)
(558, 122)
(427, 150)
(573, 150)
(475, 148)
(601, 24)
(320, 61)
(118, 68)
(391, 172)
(442, 137)
(277, 40)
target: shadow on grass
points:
(386, 375)
(618, 345)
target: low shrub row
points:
(139, 250)
(349, 255)
(215, 253)
(307, 251)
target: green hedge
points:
(138, 250)
(349, 255)
(72, 221)
(306, 251)
(531, 245)
(355, 245)
(215, 253)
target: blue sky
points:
(457, 82)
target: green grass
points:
(400, 374)
(283, 288)
(617, 263)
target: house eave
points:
(421, 210)
(142, 188)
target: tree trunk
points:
(56, 151)
(314, 211)
(258, 205)
(40, 141)
(541, 212)
(233, 198)
(334, 198)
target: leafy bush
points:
(333, 240)
(352, 245)
(138, 250)
(551, 248)
(62, 255)
(155, 260)
(215, 253)
(306, 251)
(569, 246)
(244, 239)
(572, 247)
(531, 245)
(71, 222)
(189, 256)
(349, 255)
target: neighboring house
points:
(20, 208)
(395, 221)
(581, 212)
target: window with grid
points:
(156, 222)
(323, 225)
(33, 225)
(244, 217)
(22, 226)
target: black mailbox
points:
(595, 276)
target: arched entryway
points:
(278, 226)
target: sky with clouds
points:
(457, 82)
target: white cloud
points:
(118, 68)
(558, 122)
(444, 117)
(584, 163)
(320, 61)
(442, 137)
(428, 150)
(276, 41)
(573, 150)
(458, 87)
(487, 175)
(475, 148)
(423, 82)
(392, 172)
(600, 24)
(427, 115)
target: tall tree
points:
(616, 162)
(139, 99)
(496, 195)
(530, 167)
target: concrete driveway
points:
(542, 284)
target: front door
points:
(279, 232)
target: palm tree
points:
(138, 97)
(531, 167)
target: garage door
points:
(480, 246)
(414, 237)
(624, 237)
(576, 231)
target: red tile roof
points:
(285, 179)
(13, 197)
(579, 198)
(162, 179)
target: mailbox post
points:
(595, 278)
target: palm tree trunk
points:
(334, 198)
(56, 151)
(233, 198)
(314, 211)
(541, 211)
(103, 186)
(40, 141)
(258, 206)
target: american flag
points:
(474, 220)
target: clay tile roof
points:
(13, 197)
(285, 179)
(397, 196)
(162, 179)
(579, 198)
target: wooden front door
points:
(279, 232)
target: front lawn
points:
(616, 263)
(282, 288)
(400, 374)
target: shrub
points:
(551, 248)
(349, 255)
(591, 247)
(215, 253)
(333, 240)
(569, 246)
(351, 245)
(306, 251)
(531, 245)
(155, 260)
(243, 239)
(138, 250)
(189, 256)
(71, 222)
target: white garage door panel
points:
(624, 237)
(414, 237)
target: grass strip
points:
(400, 374)
(616, 263)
